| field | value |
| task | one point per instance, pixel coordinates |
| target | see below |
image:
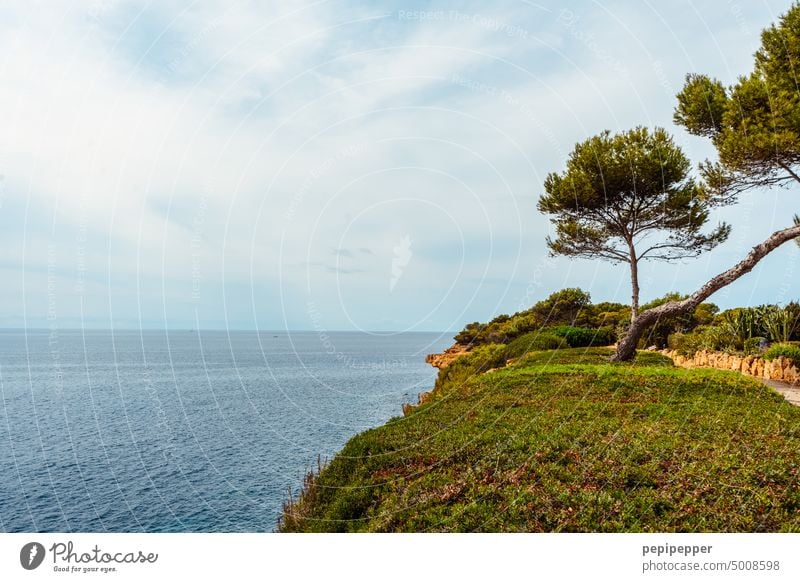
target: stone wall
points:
(780, 368)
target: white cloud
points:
(247, 140)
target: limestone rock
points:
(780, 369)
(446, 357)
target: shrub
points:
(704, 337)
(605, 314)
(485, 357)
(533, 342)
(523, 324)
(752, 346)
(712, 337)
(677, 341)
(581, 337)
(794, 307)
(501, 318)
(562, 306)
(658, 333)
(610, 333)
(479, 360)
(470, 333)
(788, 351)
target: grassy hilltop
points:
(562, 440)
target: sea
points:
(186, 431)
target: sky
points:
(334, 165)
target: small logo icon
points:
(31, 555)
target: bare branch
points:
(788, 170)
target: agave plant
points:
(742, 324)
(780, 323)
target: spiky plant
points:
(780, 323)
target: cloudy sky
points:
(337, 165)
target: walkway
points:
(789, 391)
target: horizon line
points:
(221, 329)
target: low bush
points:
(704, 337)
(533, 342)
(582, 337)
(478, 361)
(567, 307)
(789, 351)
(752, 346)
(657, 334)
(677, 341)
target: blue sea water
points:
(185, 431)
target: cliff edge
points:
(446, 357)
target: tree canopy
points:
(628, 197)
(754, 124)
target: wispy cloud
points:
(150, 148)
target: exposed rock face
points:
(781, 369)
(422, 398)
(446, 357)
(437, 361)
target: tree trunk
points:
(634, 286)
(626, 347)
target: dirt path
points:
(790, 392)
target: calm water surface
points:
(185, 431)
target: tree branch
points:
(788, 169)
(626, 348)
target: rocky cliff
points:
(446, 357)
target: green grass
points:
(565, 441)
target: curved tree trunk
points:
(626, 347)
